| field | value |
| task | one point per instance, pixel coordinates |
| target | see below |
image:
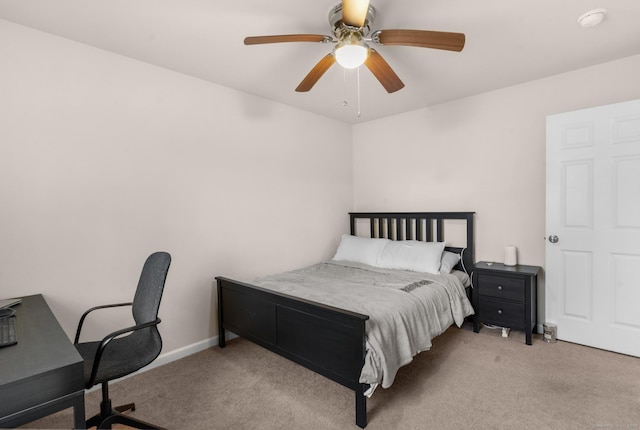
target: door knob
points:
(553, 239)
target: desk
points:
(43, 372)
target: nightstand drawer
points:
(503, 314)
(501, 287)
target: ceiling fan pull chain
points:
(344, 86)
(359, 113)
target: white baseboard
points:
(177, 354)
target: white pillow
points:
(360, 249)
(449, 260)
(413, 255)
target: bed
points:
(337, 341)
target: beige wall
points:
(484, 153)
(104, 160)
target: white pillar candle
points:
(510, 255)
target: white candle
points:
(510, 255)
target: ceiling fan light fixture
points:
(351, 56)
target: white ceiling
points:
(507, 42)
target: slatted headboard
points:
(419, 226)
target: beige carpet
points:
(466, 381)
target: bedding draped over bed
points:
(406, 309)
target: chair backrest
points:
(146, 301)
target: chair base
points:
(109, 415)
(114, 416)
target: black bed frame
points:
(328, 340)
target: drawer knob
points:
(499, 311)
(499, 287)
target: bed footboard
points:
(327, 340)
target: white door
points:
(592, 286)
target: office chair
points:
(129, 349)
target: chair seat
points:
(121, 357)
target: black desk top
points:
(43, 364)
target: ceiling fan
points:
(351, 23)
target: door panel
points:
(626, 279)
(626, 177)
(593, 207)
(577, 193)
(577, 284)
(626, 129)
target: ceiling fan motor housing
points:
(340, 29)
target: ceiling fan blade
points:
(316, 73)
(383, 72)
(421, 39)
(354, 12)
(258, 40)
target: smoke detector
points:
(592, 18)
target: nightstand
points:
(505, 296)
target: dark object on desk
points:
(42, 373)
(130, 349)
(7, 327)
(7, 303)
(6, 313)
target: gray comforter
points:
(406, 309)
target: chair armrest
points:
(84, 315)
(107, 339)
